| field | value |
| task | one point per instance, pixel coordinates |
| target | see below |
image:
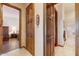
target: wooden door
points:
(30, 28)
(49, 40)
(1, 29)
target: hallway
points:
(68, 49)
(38, 38)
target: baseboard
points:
(61, 45)
(23, 47)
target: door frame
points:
(34, 28)
(14, 7)
(44, 28)
(56, 22)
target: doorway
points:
(11, 28)
(30, 27)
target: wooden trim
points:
(1, 16)
(56, 21)
(34, 30)
(34, 26)
(44, 28)
(9, 5)
(1, 29)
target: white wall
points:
(39, 30)
(69, 25)
(69, 19)
(59, 8)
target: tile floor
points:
(17, 52)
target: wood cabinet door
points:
(30, 28)
(49, 43)
(1, 29)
